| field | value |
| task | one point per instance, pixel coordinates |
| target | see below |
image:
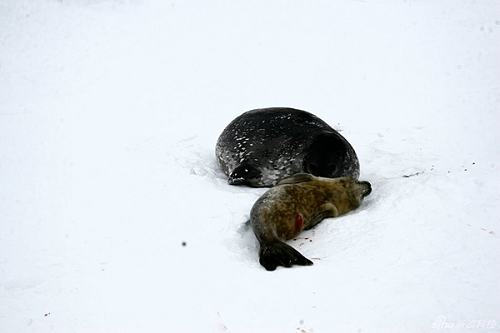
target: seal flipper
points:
(326, 210)
(279, 253)
(245, 174)
(297, 178)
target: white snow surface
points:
(109, 115)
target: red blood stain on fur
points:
(299, 222)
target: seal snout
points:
(366, 188)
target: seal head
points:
(328, 156)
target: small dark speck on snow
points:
(184, 243)
(413, 174)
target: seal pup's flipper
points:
(325, 211)
(278, 253)
(245, 174)
(297, 178)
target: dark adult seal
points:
(299, 203)
(262, 146)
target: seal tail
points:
(278, 253)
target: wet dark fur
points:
(301, 197)
(262, 146)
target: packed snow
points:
(115, 217)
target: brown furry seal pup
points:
(299, 203)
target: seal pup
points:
(262, 146)
(299, 203)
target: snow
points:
(109, 115)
